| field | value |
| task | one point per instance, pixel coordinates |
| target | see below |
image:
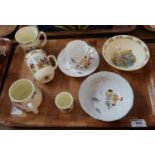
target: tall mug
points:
(40, 65)
(29, 38)
(25, 95)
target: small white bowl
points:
(138, 47)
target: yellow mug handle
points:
(53, 57)
(41, 33)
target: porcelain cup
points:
(29, 38)
(79, 53)
(40, 65)
(64, 102)
(25, 95)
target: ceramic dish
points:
(106, 96)
(5, 46)
(69, 70)
(6, 29)
(123, 42)
(150, 27)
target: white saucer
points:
(67, 69)
(106, 96)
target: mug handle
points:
(32, 108)
(53, 57)
(91, 50)
(41, 33)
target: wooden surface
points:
(142, 82)
(138, 31)
(114, 29)
(4, 62)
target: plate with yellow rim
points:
(125, 42)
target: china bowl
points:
(125, 42)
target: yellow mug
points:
(29, 38)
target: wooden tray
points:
(113, 29)
(4, 61)
(142, 82)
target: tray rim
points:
(94, 31)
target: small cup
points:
(25, 95)
(79, 53)
(39, 64)
(29, 38)
(64, 102)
